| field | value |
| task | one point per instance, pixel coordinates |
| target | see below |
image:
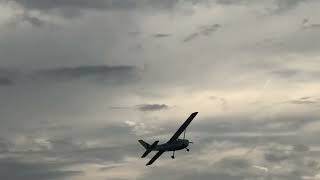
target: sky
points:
(81, 81)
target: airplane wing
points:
(155, 157)
(182, 127)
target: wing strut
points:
(182, 127)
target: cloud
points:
(304, 101)
(275, 157)
(7, 77)
(208, 176)
(152, 107)
(265, 169)
(207, 30)
(312, 26)
(187, 174)
(4, 81)
(223, 102)
(296, 74)
(234, 163)
(203, 31)
(60, 82)
(281, 5)
(191, 37)
(301, 148)
(14, 169)
(161, 35)
(286, 73)
(108, 74)
(284, 5)
(56, 154)
(101, 74)
(306, 25)
(26, 18)
(70, 8)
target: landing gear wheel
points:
(188, 150)
(172, 157)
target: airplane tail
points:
(148, 147)
(144, 144)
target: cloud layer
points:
(82, 81)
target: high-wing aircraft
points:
(173, 144)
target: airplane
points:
(173, 144)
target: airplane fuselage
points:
(174, 146)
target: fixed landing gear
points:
(172, 155)
(187, 149)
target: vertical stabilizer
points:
(144, 144)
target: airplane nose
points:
(187, 142)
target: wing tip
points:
(194, 114)
(149, 163)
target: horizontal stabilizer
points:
(149, 149)
(144, 144)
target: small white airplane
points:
(173, 144)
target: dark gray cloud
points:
(281, 5)
(234, 163)
(207, 30)
(7, 77)
(100, 74)
(107, 74)
(152, 107)
(203, 31)
(284, 5)
(5, 81)
(191, 37)
(71, 8)
(95, 4)
(4, 145)
(161, 35)
(276, 157)
(15, 169)
(301, 148)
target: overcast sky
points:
(82, 80)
